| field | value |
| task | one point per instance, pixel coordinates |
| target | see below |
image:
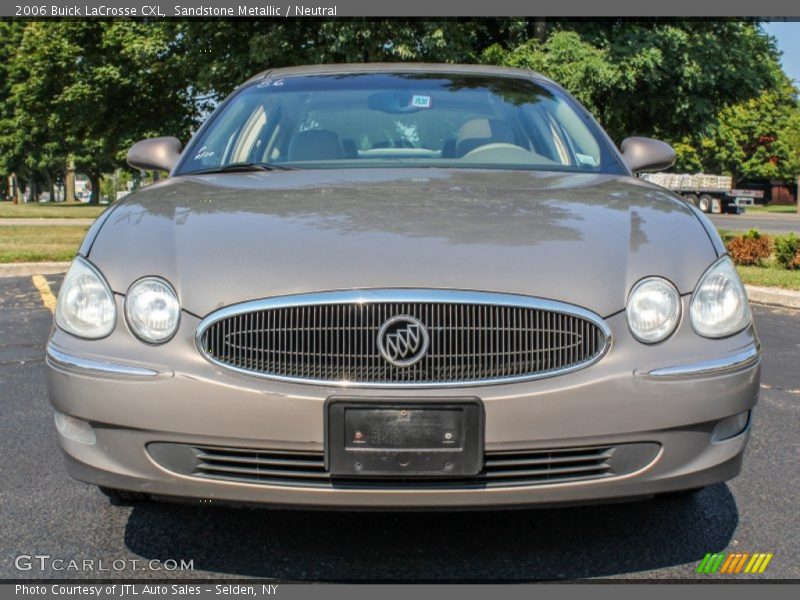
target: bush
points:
(787, 251)
(752, 248)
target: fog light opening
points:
(731, 427)
(74, 429)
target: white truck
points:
(709, 193)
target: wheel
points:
(124, 497)
(705, 203)
(692, 198)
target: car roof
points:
(346, 68)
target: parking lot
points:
(44, 512)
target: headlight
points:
(719, 305)
(85, 306)
(654, 309)
(152, 310)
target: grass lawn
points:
(781, 210)
(8, 210)
(770, 276)
(32, 243)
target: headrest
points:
(314, 144)
(479, 132)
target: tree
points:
(748, 139)
(83, 92)
(32, 141)
(662, 79)
(80, 93)
(12, 155)
(222, 54)
(125, 86)
(791, 138)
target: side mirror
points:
(645, 154)
(155, 154)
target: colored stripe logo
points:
(734, 562)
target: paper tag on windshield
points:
(421, 101)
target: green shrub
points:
(787, 251)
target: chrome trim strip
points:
(89, 366)
(403, 295)
(739, 360)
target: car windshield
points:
(397, 120)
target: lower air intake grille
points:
(307, 469)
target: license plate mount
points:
(388, 438)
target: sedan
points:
(402, 286)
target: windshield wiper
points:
(242, 166)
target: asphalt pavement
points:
(44, 512)
(764, 222)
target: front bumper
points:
(672, 395)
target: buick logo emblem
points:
(403, 340)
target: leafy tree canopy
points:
(80, 93)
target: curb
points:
(756, 294)
(33, 268)
(773, 296)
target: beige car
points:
(402, 286)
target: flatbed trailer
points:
(709, 193)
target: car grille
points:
(485, 339)
(307, 469)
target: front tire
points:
(705, 203)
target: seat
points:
(315, 144)
(449, 148)
(349, 149)
(479, 132)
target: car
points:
(403, 286)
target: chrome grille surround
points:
(497, 338)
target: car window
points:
(398, 120)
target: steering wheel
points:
(494, 147)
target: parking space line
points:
(48, 299)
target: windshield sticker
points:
(203, 153)
(421, 101)
(271, 82)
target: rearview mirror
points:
(155, 154)
(646, 154)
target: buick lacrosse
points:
(402, 286)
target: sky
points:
(788, 35)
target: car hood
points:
(226, 238)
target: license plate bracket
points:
(390, 438)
